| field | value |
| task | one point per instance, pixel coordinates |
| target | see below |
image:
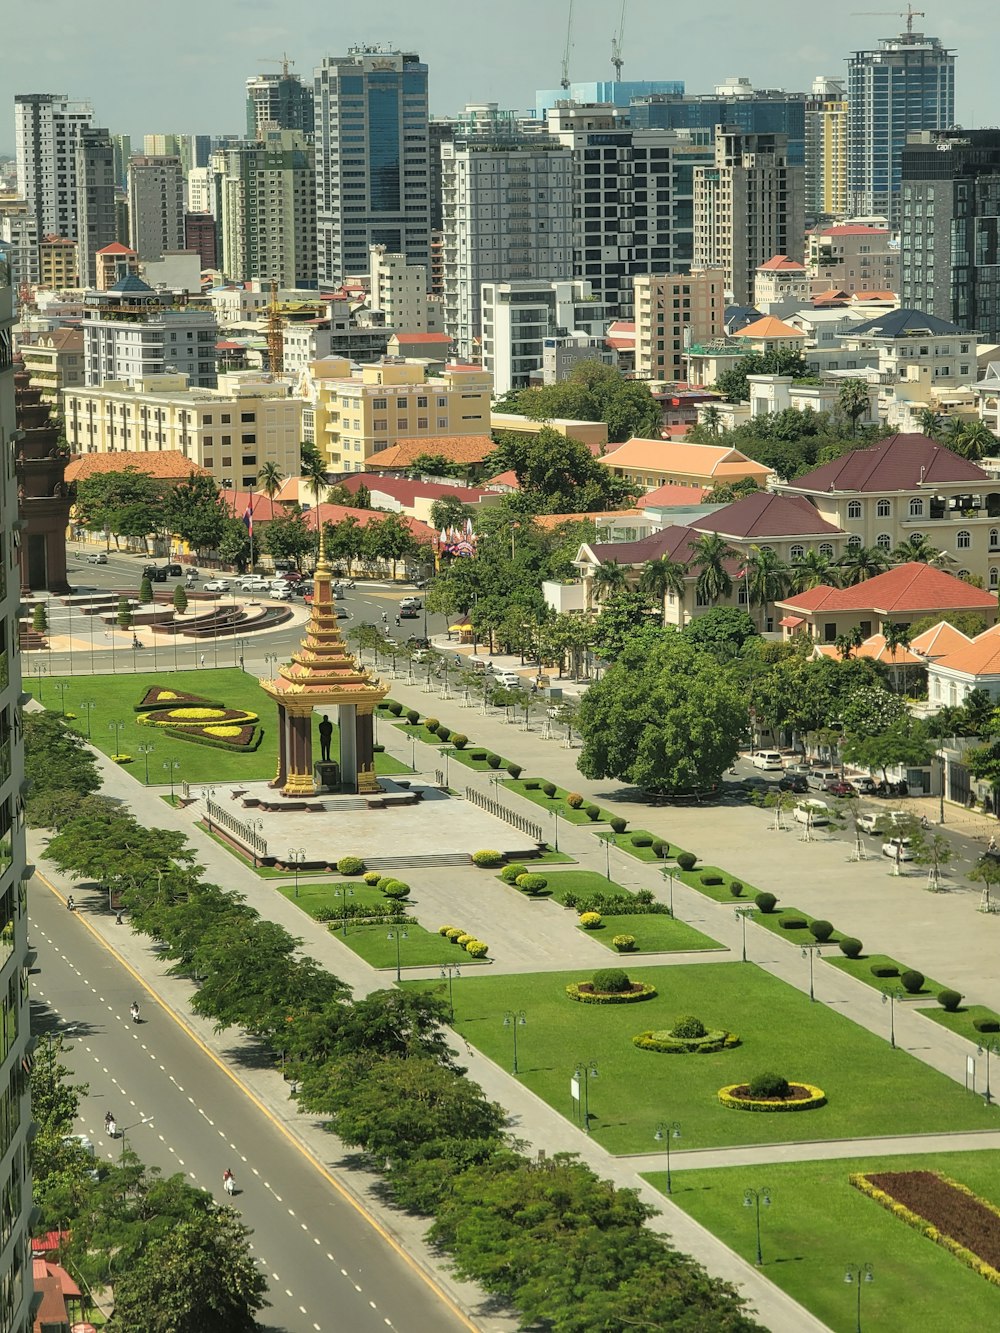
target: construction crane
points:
(616, 45)
(275, 340)
(284, 62)
(909, 13)
(564, 81)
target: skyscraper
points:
(96, 223)
(826, 150)
(372, 167)
(46, 133)
(155, 205)
(268, 209)
(280, 101)
(734, 102)
(906, 84)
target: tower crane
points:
(616, 45)
(564, 81)
(284, 62)
(909, 13)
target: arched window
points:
(916, 538)
(883, 541)
(963, 540)
(994, 577)
(962, 574)
(994, 538)
(854, 509)
(826, 548)
(916, 509)
(796, 552)
(764, 547)
(855, 540)
(884, 508)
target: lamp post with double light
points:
(514, 1019)
(399, 934)
(451, 972)
(146, 751)
(858, 1275)
(988, 1048)
(584, 1072)
(667, 1130)
(890, 994)
(296, 855)
(741, 914)
(811, 950)
(753, 1198)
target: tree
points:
(848, 642)
(436, 465)
(663, 717)
(853, 401)
(733, 384)
(392, 539)
(624, 615)
(897, 638)
(973, 440)
(55, 759)
(40, 619)
(180, 599)
(234, 544)
(314, 473)
(287, 537)
(609, 577)
(710, 554)
(903, 742)
(721, 631)
(124, 613)
(767, 576)
(593, 392)
(124, 504)
(711, 419)
(196, 512)
(557, 474)
(449, 512)
(270, 478)
(145, 592)
(343, 540)
(663, 577)
(812, 569)
(862, 562)
(930, 422)
(916, 549)
(930, 849)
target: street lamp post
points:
(811, 950)
(208, 794)
(667, 1130)
(146, 751)
(858, 1275)
(606, 839)
(514, 1019)
(451, 972)
(256, 827)
(585, 1071)
(988, 1048)
(296, 856)
(398, 935)
(890, 994)
(555, 844)
(171, 766)
(741, 914)
(753, 1198)
(146, 1120)
(62, 686)
(117, 727)
(413, 753)
(39, 670)
(271, 662)
(90, 705)
(444, 755)
(343, 893)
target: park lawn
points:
(719, 893)
(654, 933)
(326, 898)
(421, 948)
(623, 841)
(582, 882)
(550, 857)
(480, 765)
(798, 935)
(861, 970)
(962, 1019)
(780, 1029)
(817, 1224)
(554, 803)
(420, 732)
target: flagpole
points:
(251, 529)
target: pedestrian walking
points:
(201, 660)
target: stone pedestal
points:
(327, 774)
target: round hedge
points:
(766, 902)
(736, 888)
(515, 770)
(476, 949)
(641, 840)
(487, 858)
(510, 874)
(443, 732)
(412, 716)
(686, 860)
(493, 760)
(688, 1026)
(661, 847)
(432, 724)
(589, 920)
(669, 1044)
(618, 825)
(459, 740)
(531, 883)
(912, 981)
(350, 865)
(586, 994)
(821, 931)
(372, 877)
(624, 943)
(394, 708)
(804, 1097)
(850, 947)
(611, 979)
(593, 812)
(549, 789)
(574, 800)
(949, 1000)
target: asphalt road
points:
(327, 1266)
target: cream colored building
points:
(672, 312)
(826, 149)
(655, 463)
(592, 433)
(57, 263)
(231, 431)
(399, 291)
(352, 417)
(55, 361)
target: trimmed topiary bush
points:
(611, 980)
(792, 923)
(574, 800)
(768, 1085)
(487, 859)
(710, 880)
(515, 770)
(618, 825)
(949, 1000)
(396, 889)
(412, 716)
(463, 939)
(661, 847)
(510, 874)
(478, 756)
(350, 865)
(735, 888)
(766, 902)
(884, 970)
(624, 943)
(531, 883)
(641, 840)
(589, 920)
(687, 860)
(493, 760)
(476, 949)
(459, 740)
(688, 1026)
(549, 789)
(593, 812)
(453, 933)
(444, 733)
(912, 981)
(850, 947)
(821, 931)
(394, 708)
(372, 877)
(432, 724)
(445, 930)
(986, 1024)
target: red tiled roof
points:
(895, 463)
(264, 508)
(328, 513)
(768, 327)
(907, 589)
(421, 337)
(782, 264)
(670, 495)
(456, 448)
(165, 464)
(851, 229)
(406, 491)
(504, 479)
(116, 248)
(763, 514)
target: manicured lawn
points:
(717, 892)
(861, 969)
(961, 1021)
(624, 842)
(420, 731)
(480, 765)
(421, 948)
(552, 858)
(653, 934)
(327, 897)
(557, 802)
(115, 699)
(582, 882)
(818, 1223)
(871, 1090)
(798, 935)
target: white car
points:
(767, 759)
(410, 604)
(508, 679)
(281, 592)
(898, 849)
(872, 821)
(217, 585)
(812, 812)
(97, 558)
(254, 583)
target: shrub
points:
(768, 1085)
(459, 740)
(626, 944)
(394, 708)
(687, 860)
(735, 888)
(145, 592)
(884, 970)
(487, 859)
(531, 784)
(589, 920)
(949, 1000)
(660, 847)
(688, 1026)
(618, 825)
(494, 760)
(711, 880)
(372, 876)
(574, 800)
(821, 931)
(476, 949)
(180, 599)
(432, 725)
(511, 873)
(444, 733)
(444, 930)
(641, 840)
(611, 980)
(549, 789)
(395, 889)
(478, 756)
(767, 902)
(453, 932)
(378, 748)
(986, 1024)
(412, 716)
(463, 938)
(593, 812)
(585, 993)
(912, 981)
(850, 947)
(793, 923)
(669, 1044)
(515, 770)
(350, 865)
(532, 883)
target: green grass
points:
(719, 893)
(557, 802)
(861, 970)
(818, 1223)
(324, 897)
(961, 1021)
(583, 882)
(623, 841)
(802, 935)
(420, 732)
(871, 1090)
(421, 948)
(115, 699)
(480, 765)
(552, 858)
(653, 934)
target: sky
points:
(181, 67)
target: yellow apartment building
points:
(54, 362)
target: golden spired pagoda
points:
(323, 674)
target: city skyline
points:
(203, 87)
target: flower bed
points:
(671, 1045)
(190, 717)
(801, 1097)
(585, 993)
(945, 1211)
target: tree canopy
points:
(58, 765)
(557, 474)
(592, 392)
(122, 504)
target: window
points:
(854, 540)
(226, 419)
(248, 439)
(883, 509)
(248, 416)
(701, 599)
(994, 538)
(380, 404)
(916, 509)
(916, 538)
(826, 549)
(884, 541)
(963, 540)
(442, 423)
(854, 509)
(994, 577)
(964, 574)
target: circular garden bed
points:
(799, 1097)
(674, 1045)
(585, 992)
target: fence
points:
(246, 833)
(493, 807)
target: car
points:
(173, 570)
(280, 592)
(414, 641)
(408, 613)
(97, 558)
(342, 613)
(819, 777)
(217, 585)
(767, 759)
(898, 848)
(288, 575)
(872, 821)
(421, 655)
(812, 812)
(840, 787)
(478, 664)
(254, 583)
(191, 571)
(155, 573)
(798, 770)
(411, 604)
(794, 782)
(508, 679)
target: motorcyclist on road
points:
(228, 1181)
(134, 1011)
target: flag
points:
(248, 516)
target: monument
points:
(42, 494)
(323, 674)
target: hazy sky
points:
(181, 66)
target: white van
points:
(819, 777)
(812, 812)
(769, 759)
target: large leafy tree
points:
(557, 474)
(664, 717)
(286, 537)
(902, 742)
(120, 504)
(234, 543)
(721, 631)
(624, 615)
(593, 392)
(196, 512)
(732, 384)
(55, 760)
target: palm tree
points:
(314, 472)
(812, 569)
(269, 479)
(767, 577)
(916, 549)
(848, 642)
(660, 577)
(896, 637)
(931, 422)
(973, 440)
(709, 554)
(712, 418)
(853, 401)
(608, 578)
(862, 562)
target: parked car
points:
(414, 641)
(898, 849)
(97, 558)
(289, 575)
(510, 680)
(281, 592)
(173, 570)
(793, 782)
(812, 812)
(867, 786)
(872, 821)
(254, 583)
(840, 787)
(342, 613)
(411, 604)
(798, 770)
(217, 585)
(819, 777)
(767, 759)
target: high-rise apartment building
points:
(633, 192)
(522, 319)
(398, 290)
(96, 223)
(278, 102)
(155, 205)
(267, 220)
(15, 1108)
(122, 144)
(907, 83)
(200, 235)
(672, 312)
(950, 227)
(609, 92)
(46, 133)
(826, 123)
(734, 102)
(747, 207)
(508, 204)
(372, 163)
(128, 333)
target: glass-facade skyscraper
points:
(372, 159)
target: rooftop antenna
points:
(909, 13)
(564, 81)
(616, 45)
